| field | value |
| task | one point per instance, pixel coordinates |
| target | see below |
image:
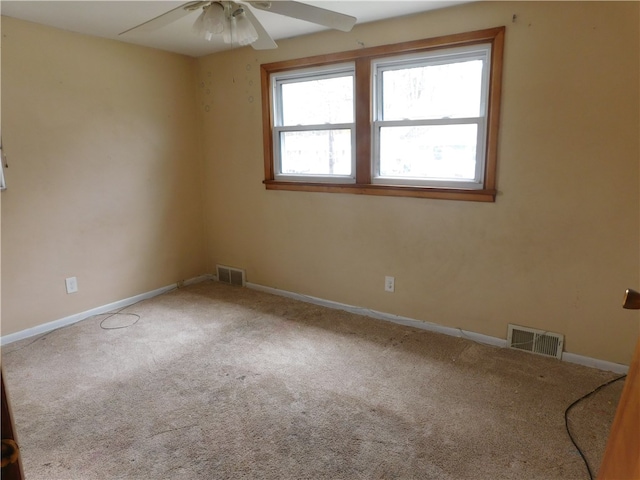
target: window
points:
(314, 128)
(429, 120)
(413, 119)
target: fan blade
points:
(167, 17)
(264, 41)
(309, 13)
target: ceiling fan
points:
(237, 23)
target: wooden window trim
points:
(362, 59)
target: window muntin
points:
(369, 175)
(430, 118)
(314, 128)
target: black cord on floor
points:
(137, 317)
(42, 336)
(566, 419)
(119, 312)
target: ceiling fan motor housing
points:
(263, 5)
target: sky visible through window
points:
(317, 102)
(450, 90)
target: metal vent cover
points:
(230, 275)
(535, 341)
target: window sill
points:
(386, 190)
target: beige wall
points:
(104, 182)
(557, 249)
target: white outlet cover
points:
(389, 284)
(72, 284)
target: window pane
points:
(450, 90)
(317, 152)
(319, 101)
(433, 152)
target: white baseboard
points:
(409, 322)
(595, 363)
(434, 327)
(63, 322)
(201, 278)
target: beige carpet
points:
(221, 382)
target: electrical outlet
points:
(389, 284)
(72, 284)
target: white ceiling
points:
(108, 18)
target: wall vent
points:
(535, 341)
(230, 275)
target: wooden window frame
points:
(363, 59)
